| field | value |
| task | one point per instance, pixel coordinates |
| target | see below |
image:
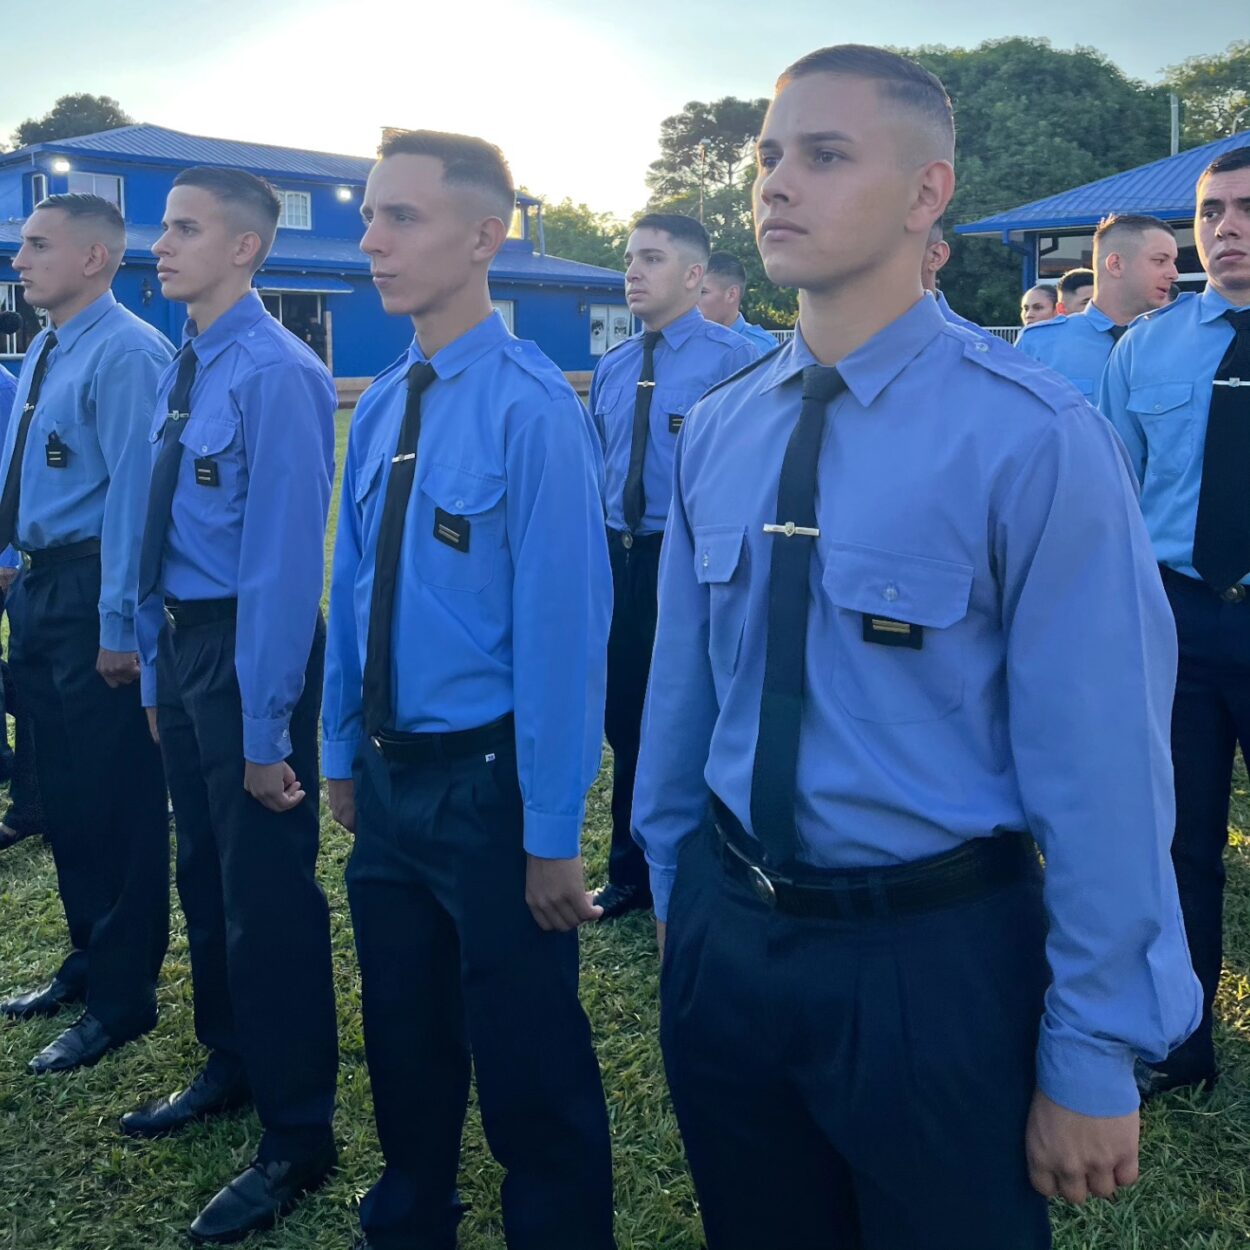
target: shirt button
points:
(459, 503)
(983, 347)
(707, 559)
(1158, 407)
(204, 449)
(890, 593)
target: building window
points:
(106, 186)
(38, 189)
(506, 308)
(609, 325)
(296, 210)
(303, 313)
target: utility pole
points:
(1174, 102)
(702, 177)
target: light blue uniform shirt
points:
(1156, 391)
(956, 320)
(262, 410)
(693, 354)
(757, 334)
(8, 389)
(516, 623)
(97, 398)
(972, 493)
(1077, 346)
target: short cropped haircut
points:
(1073, 280)
(251, 202)
(98, 213)
(1048, 291)
(726, 265)
(1115, 231)
(681, 229)
(468, 162)
(1238, 158)
(935, 233)
(899, 80)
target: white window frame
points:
(38, 189)
(506, 308)
(285, 219)
(119, 185)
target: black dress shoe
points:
(45, 1001)
(203, 1098)
(620, 900)
(1151, 1082)
(257, 1197)
(83, 1044)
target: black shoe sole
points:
(237, 1235)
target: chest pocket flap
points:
(206, 437)
(1147, 401)
(924, 591)
(717, 552)
(461, 492)
(366, 476)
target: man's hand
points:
(273, 785)
(661, 931)
(555, 890)
(7, 578)
(1073, 1156)
(118, 668)
(156, 737)
(343, 802)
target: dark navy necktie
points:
(165, 475)
(774, 776)
(635, 496)
(377, 674)
(13, 483)
(1117, 333)
(1222, 532)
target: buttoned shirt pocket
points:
(720, 561)
(871, 590)
(367, 478)
(607, 400)
(668, 411)
(472, 522)
(210, 441)
(1165, 411)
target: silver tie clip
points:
(789, 529)
(408, 455)
(1231, 382)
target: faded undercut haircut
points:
(1124, 230)
(1073, 280)
(1226, 162)
(250, 202)
(684, 231)
(727, 266)
(95, 216)
(901, 82)
(468, 162)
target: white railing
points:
(1007, 333)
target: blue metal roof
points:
(157, 145)
(294, 250)
(1162, 188)
(296, 282)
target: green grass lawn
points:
(68, 1181)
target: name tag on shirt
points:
(887, 632)
(451, 530)
(56, 452)
(674, 422)
(206, 471)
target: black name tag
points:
(674, 422)
(206, 471)
(888, 632)
(56, 452)
(451, 530)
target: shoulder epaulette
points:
(1183, 298)
(534, 361)
(733, 377)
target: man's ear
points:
(694, 275)
(96, 261)
(491, 233)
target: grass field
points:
(68, 1181)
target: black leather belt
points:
(190, 613)
(402, 748)
(971, 871)
(1234, 594)
(50, 557)
(635, 542)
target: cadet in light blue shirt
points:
(909, 622)
(74, 469)
(724, 285)
(463, 721)
(936, 254)
(230, 581)
(639, 397)
(8, 389)
(1176, 390)
(1134, 268)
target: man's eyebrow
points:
(808, 138)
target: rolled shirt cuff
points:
(1086, 1075)
(661, 888)
(337, 756)
(266, 740)
(117, 632)
(553, 835)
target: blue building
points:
(1055, 234)
(316, 280)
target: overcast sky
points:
(573, 91)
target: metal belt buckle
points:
(377, 743)
(1234, 594)
(169, 617)
(627, 540)
(763, 887)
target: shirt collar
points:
(1096, 317)
(739, 324)
(460, 353)
(678, 332)
(82, 321)
(1212, 305)
(239, 317)
(871, 367)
